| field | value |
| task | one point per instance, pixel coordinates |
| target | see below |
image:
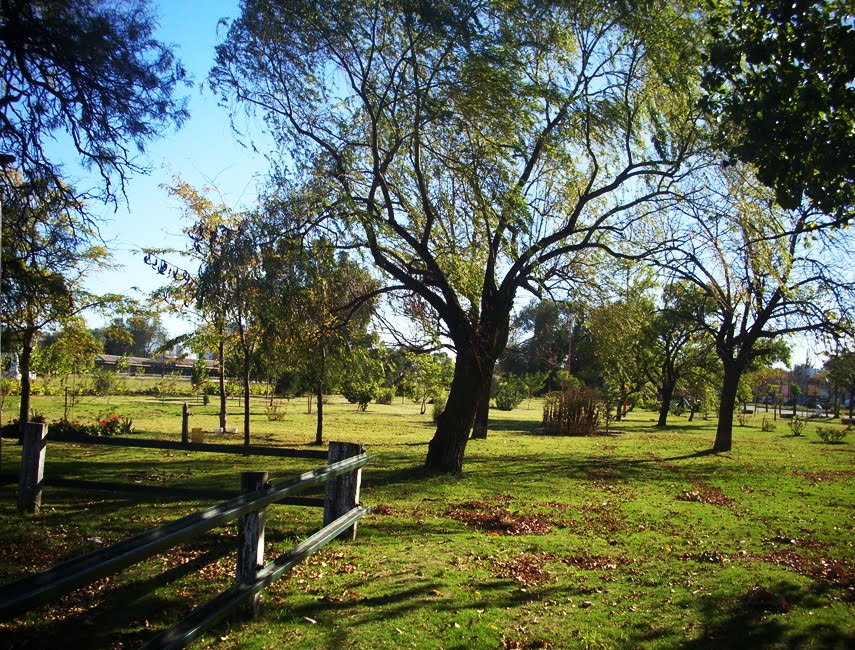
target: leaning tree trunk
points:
(668, 387)
(26, 388)
(482, 412)
(727, 404)
(448, 445)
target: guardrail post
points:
(250, 557)
(32, 468)
(185, 424)
(342, 492)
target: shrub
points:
(797, 425)
(360, 393)
(104, 382)
(385, 395)
(510, 392)
(10, 386)
(573, 412)
(767, 425)
(743, 418)
(276, 411)
(831, 435)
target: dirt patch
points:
(498, 521)
(705, 493)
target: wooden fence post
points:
(250, 557)
(32, 468)
(185, 424)
(342, 492)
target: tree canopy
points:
(781, 79)
(473, 147)
(89, 69)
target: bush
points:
(385, 395)
(573, 412)
(276, 411)
(767, 425)
(11, 386)
(361, 393)
(105, 382)
(797, 425)
(510, 393)
(831, 435)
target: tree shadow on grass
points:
(757, 619)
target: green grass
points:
(647, 541)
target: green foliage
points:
(361, 393)
(510, 391)
(438, 407)
(796, 425)
(385, 395)
(832, 435)
(105, 382)
(573, 412)
(779, 79)
(767, 425)
(166, 388)
(9, 386)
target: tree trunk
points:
(246, 394)
(729, 388)
(221, 367)
(667, 395)
(482, 413)
(24, 368)
(319, 429)
(446, 449)
(693, 408)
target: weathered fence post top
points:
(342, 492)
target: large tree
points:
(88, 69)
(473, 146)
(780, 79)
(764, 272)
(45, 262)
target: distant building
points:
(159, 365)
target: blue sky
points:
(204, 151)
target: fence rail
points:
(215, 447)
(183, 632)
(41, 587)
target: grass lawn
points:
(639, 538)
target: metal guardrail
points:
(62, 578)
